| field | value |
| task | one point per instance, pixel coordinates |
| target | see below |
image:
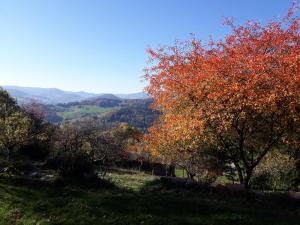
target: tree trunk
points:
(171, 170)
(247, 178)
(10, 149)
(190, 176)
(240, 173)
(8, 155)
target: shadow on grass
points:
(36, 202)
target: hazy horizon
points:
(75, 91)
(100, 46)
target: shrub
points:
(206, 176)
(276, 172)
(73, 164)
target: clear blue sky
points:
(99, 46)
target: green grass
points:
(76, 112)
(226, 180)
(129, 180)
(135, 198)
(180, 173)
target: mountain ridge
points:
(57, 96)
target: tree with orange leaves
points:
(187, 152)
(240, 95)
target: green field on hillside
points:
(134, 198)
(80, 111)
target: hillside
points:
(110, 111)
(137, 113)
(63, 106)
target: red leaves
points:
(256, 67)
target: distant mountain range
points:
(56, 96)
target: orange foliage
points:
(252, 74)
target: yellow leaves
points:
(242, 115)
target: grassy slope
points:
(135, 199)
(77, 112)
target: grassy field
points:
(180, 173)
(76, 112)
(132, 198)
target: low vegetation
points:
(136, 198)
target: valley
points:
(65, 107)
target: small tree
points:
(105, 151)
(17, 126)
(72, 156)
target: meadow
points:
(77, 112)
(130, 197)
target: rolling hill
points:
(62, 106)
(56, 96)
(110, 112)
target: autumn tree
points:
(18, 126)
(126, 135)
(40, 134)
(240, 95)
(187, 152)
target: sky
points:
(100, 46)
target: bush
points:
(206, 177)
(70, 164)
(276, 172)
(37, 150)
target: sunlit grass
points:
(76, 112)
